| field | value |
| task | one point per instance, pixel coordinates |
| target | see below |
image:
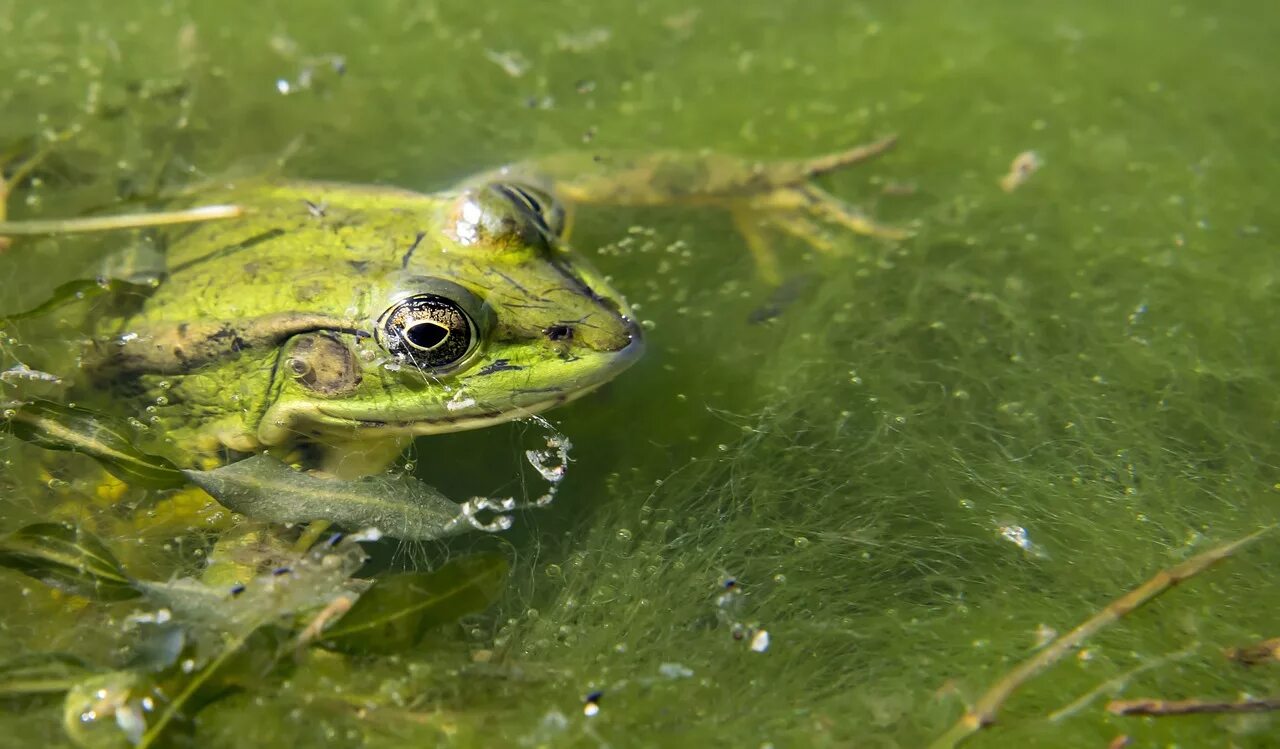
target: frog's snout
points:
(625, 334)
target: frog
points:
(331, 324)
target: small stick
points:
(334, 610)
(124, 221)
(984, 711)
(1189, 707)
(1252, 655)
(1116, 682)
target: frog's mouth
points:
(505, 384)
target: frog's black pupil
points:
(426, 335)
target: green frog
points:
(333, 323)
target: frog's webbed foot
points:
(789, 203)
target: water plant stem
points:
(984, 711)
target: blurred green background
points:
(937, 453)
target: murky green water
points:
(938, 454)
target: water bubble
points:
(624, 534)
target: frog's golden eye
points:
(427, 330)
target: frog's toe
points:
(752, 226)
(806, 230)
(830, 208)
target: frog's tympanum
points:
(335, 322)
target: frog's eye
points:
(539, 203)
(427, 330)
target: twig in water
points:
(1190, 707)
(984, 711)
(1252, 655)
(1116, 682)
(124, 221)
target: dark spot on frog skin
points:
(235, 344)
(244, 244)
(499, 365)
(417, 240)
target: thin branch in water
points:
(123, 221)
(1159, 707)
(984, 711)
(1117, 683)
(1251, 655)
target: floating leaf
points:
(67, 558)
(55, 426)
(41, 673)
(263, 487)
(82, 289)
(393, 614)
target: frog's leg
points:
(360, 457)
(761, 197)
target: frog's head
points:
(489, 318)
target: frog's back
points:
(302, 246)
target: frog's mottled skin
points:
(278, 329)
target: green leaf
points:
(64, 557)
(263, 487)
(243, 660)
(393, 614)
(83, 289)
(41, 673)
(55, 426)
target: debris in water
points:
(583, 41)
(1017, 535)
(1045, 635)
(591, 705)
(1024, 165)
(21, 371)
(512, 63)
(675, 670)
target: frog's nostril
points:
(558, 332)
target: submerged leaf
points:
(393, 614)
(41, 673)
(263, 487)
(67, 558)
(82, 289)
(55, 426)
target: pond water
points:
(831, 513)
